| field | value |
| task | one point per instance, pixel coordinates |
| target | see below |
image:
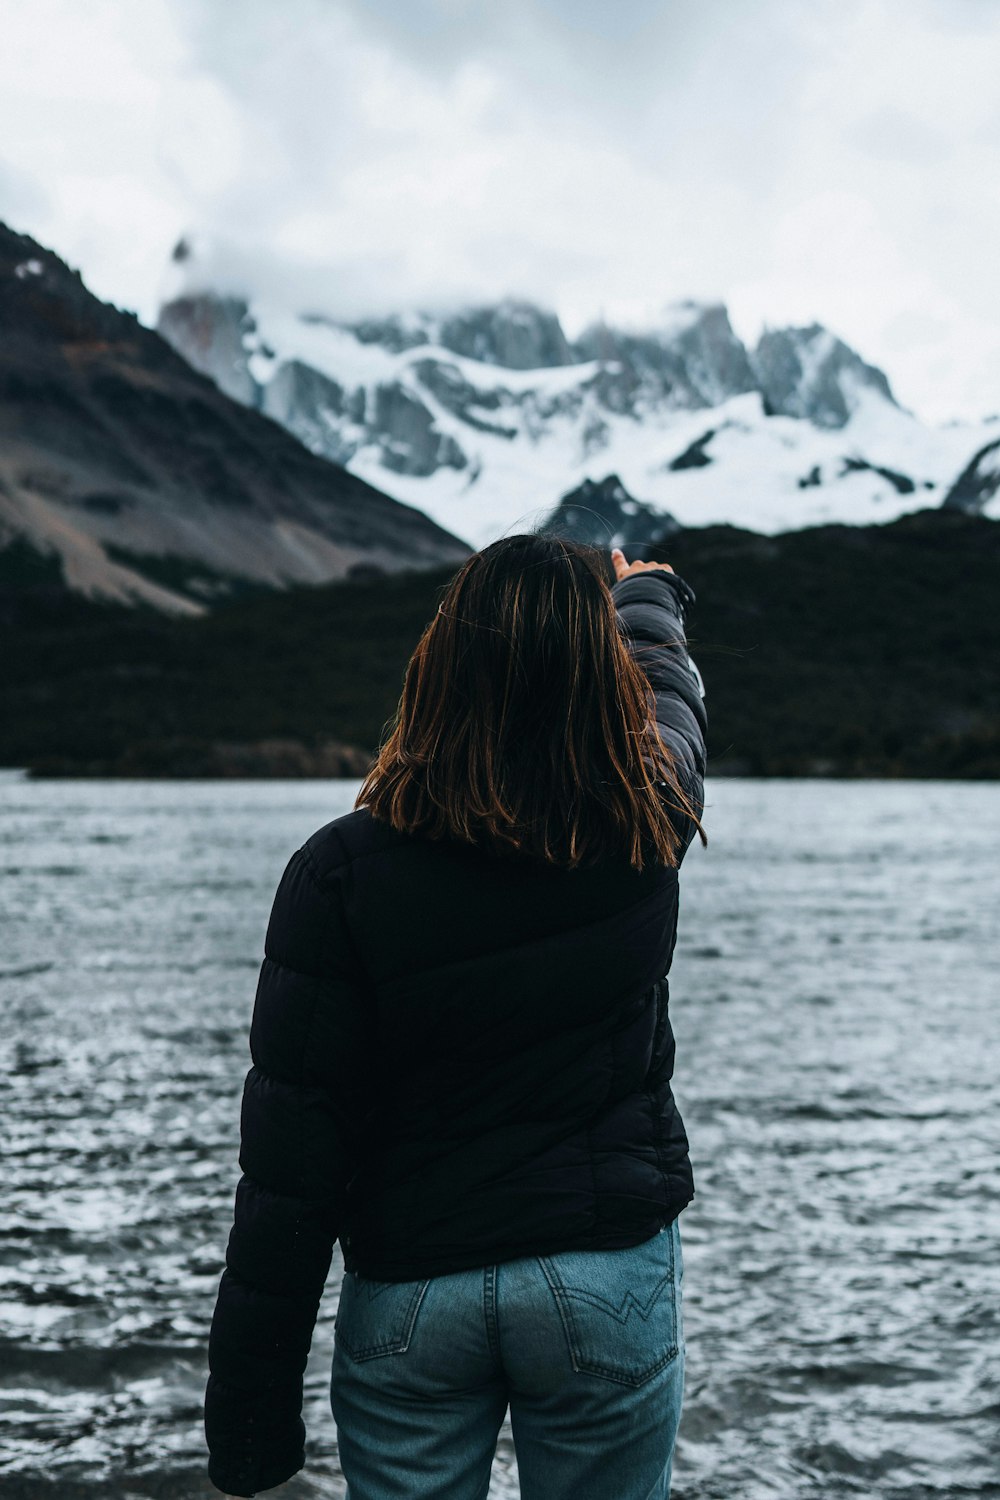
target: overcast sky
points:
(831, 160)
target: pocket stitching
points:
(630, 1301)
(562, 1296)
(586, 1366)
(398, 1345)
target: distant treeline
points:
(845, 651)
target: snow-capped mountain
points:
(482, 417)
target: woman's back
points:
(461, 1047)
(506, 1078)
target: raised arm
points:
(652, 601)
(303, 1101)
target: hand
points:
(625, 569)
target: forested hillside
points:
(832, 651)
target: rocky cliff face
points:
(978, 485)
(514, 335)
(808, 373)
(694, 361)
(603, 514)
(483, 416)
(144, 480)
(213, 333)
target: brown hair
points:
(525, 724)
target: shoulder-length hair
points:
(525, 725)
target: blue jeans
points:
(586, 1347)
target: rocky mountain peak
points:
(602, 513)
(691, 358)
(809, 372)
(978, 482)
(513, 334)
(214, 333)
(44, 302)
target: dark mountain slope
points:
(145, 481)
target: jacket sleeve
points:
(651, 607)
(302, 1103)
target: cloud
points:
(444, 150)
(829, 161)
(21, 194)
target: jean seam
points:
(490, 1309)
(555, 1287)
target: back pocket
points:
(620, 1309)
(375, 1318)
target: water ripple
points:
(838, 1068)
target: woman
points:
(462, 1060)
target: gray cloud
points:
(830, 160)
(22, 195)
(523, 131)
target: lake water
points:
(835, 999)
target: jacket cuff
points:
(255, 1441)
(250, 1478)
(648, 587)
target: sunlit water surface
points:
(835, 998)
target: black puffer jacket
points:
(458, 1059)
